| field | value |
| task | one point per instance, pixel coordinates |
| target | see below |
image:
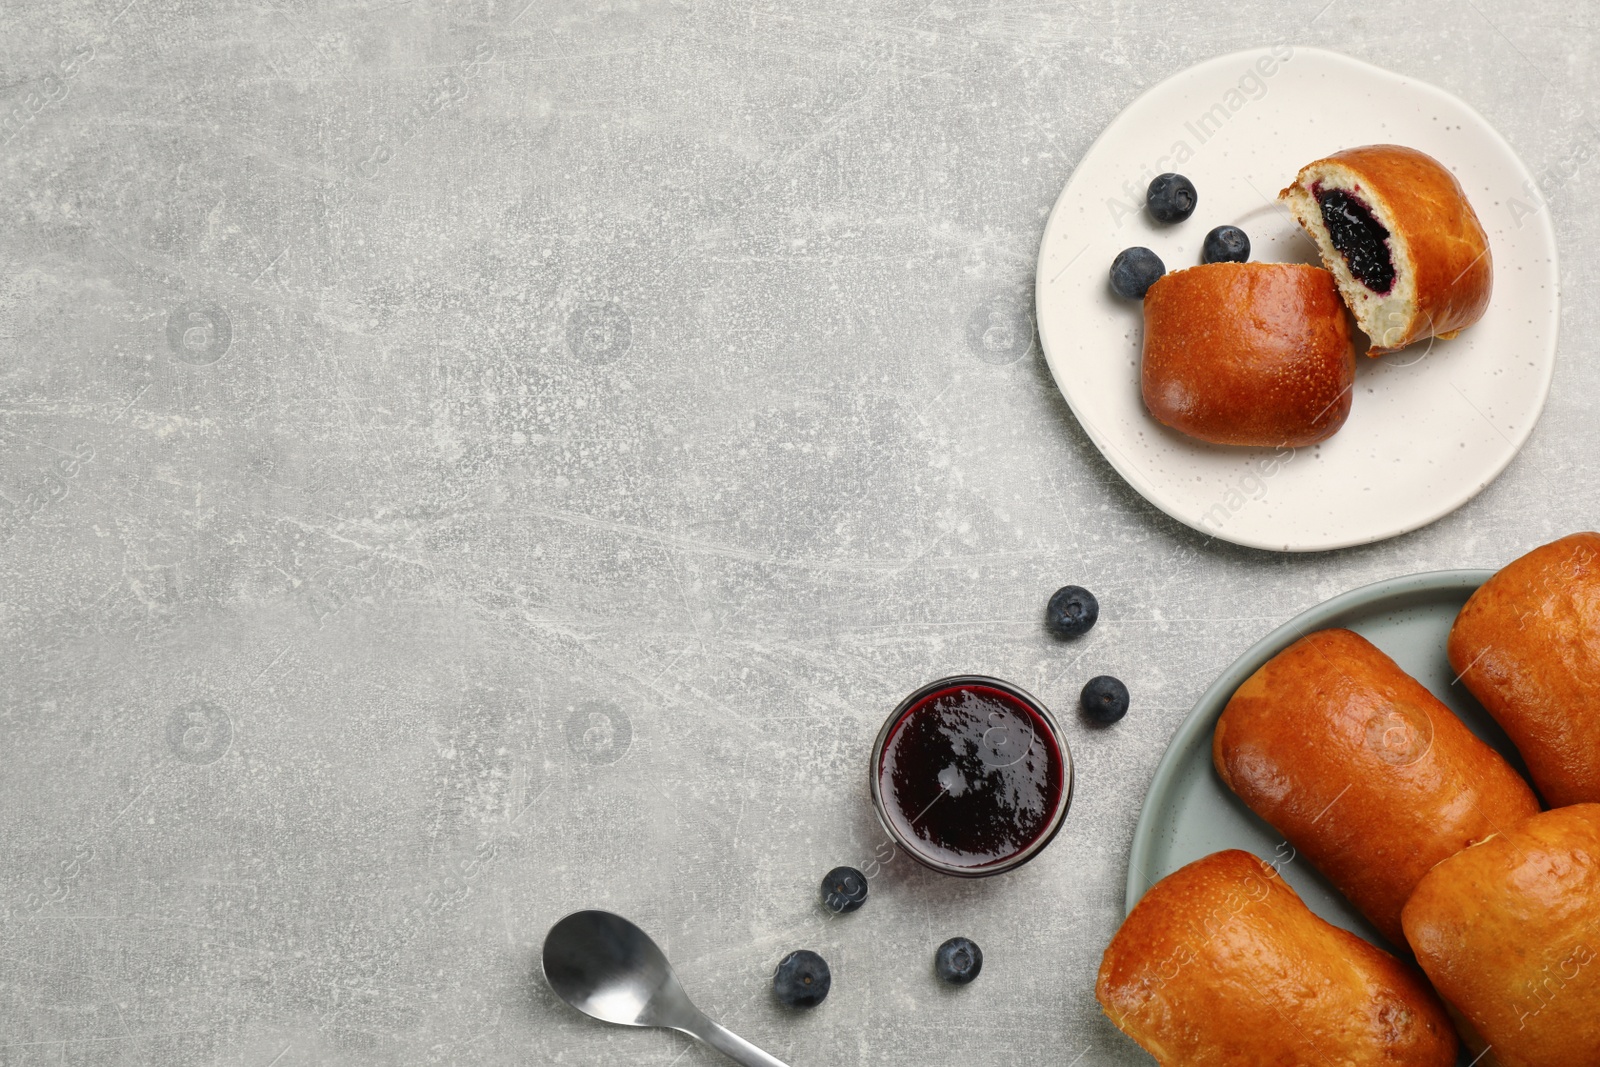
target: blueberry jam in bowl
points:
(971, 776)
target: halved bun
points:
(1248, 354)
(1394, 227)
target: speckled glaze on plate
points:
(1189, 813)
(1432, 424)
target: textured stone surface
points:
(491, 460)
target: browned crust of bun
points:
(1222, 965)
(1449, 249)
(1248, 354)
(1509, 933)
(1527, 645)
(1362, 769)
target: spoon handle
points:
(735, 1047)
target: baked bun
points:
(1248, 354)
(1221, 965)
(1362, 769)
(1527, 645)
(1509, 933)
(1393, 225)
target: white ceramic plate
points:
(1431, 425)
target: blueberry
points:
(958, 960)
(844, 889)
(1104, 699)
(802, 979)
(1135, 270)
(1072, 611)
(1225, 244)
(1171, 198)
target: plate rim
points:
(1147, 489)
(1202, 717)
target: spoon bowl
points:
(610, 970)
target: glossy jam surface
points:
(970, 776)
(1359, 237)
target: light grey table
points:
(475, 461)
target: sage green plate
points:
(1189, 813)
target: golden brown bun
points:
(1444, 271)
(1221, 965)
(1527, 645)
(1248, 354)
(1362, 769)
(1509, 932)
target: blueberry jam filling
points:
(1359, 238)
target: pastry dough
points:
(1527, 645)
(1509, 933)
(1362, 769)
(1222, 965)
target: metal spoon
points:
(608, 968)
